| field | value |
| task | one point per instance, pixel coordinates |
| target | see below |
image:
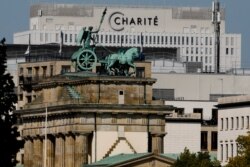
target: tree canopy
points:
(200, 159)
(243, 157)
(9, 145)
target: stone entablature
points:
(90, 117)
(73, 127)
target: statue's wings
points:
(81, 36)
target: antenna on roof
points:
(216, 21)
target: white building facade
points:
(188, 29)
(233, 120)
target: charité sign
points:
(118, 21)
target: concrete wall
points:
(200, 86)
(180, 135)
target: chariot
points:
(85, 58)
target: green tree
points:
(243, 157)
(201, 159)
(9, 145)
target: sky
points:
(14, 16)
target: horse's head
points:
(133, 52)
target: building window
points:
(232, 123)
(210, 41)
(214, 140)
(232, 41)
(226, 124)
(226, 40)
(221, 152)
(232, 149)
(166, 40)
(221, 128)
(247, 122)
(192, 40)
(66, 38)
(183, 40)
(65, 68)
(187, 40)
(242, 122)
(162, 40)
(70, 37)
(186, 50)
(226, 152)
(226, 51)
(51, 70)
(214, 116)
(202, 40)
(140, 72)
(179, 40)
(197, 41)
(237, 122)
(232, 51)
(28, 99)
(204, 140)
(201, 51)
(170, 40)
(196, 50)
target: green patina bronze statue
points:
(85, 58)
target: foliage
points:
(243, 157)
(9, 145)
(201, 159)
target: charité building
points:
(78, 117)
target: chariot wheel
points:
(86, 60)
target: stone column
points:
(37, 151)
(50, 151)
(69, 150)
(81, 149)
(60, 151)
(28, 152)
(157, 142)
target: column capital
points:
(82, 133)
(158, 134)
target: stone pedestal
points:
(28, 152)
(38, 152)
(69, 150)
(81, 149)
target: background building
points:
(188, 29)
(233, 117)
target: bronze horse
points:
(123, 59)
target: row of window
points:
(205, 59)
(234, 123)
(154, 39)
(228, 150)
(196, 50)
(134, 39)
